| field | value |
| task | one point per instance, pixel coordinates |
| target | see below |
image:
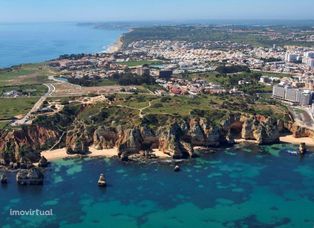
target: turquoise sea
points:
(242, 186)
(29, 43)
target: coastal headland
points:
(144, 98)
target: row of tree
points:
(232, 69)
(133, 79)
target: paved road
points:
(52, 78)
(36, 107)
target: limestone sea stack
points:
(177, 168)
(3, 179)
(102, 181)
(302, 148)
(43, 162)
(33, 176)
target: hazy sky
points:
(114, 10)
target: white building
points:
(293, 95)
(309, 54)
(292, 58)
(310, 62)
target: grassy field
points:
(104, 115)
(26, 79)
(125, 109)
(29, 90)
(134, 101)
(11, 107)
(25, 74)
(180, 105)
(107, 82)
(3, 124)
(215, 106)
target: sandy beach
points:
(107, 153)
(61, 153)
(297, 141)
(115, 47)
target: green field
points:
(215, 106)
(106, 82)
(29, 90)
(25, 74)
(182, 105)
(27, 79)
(11, 107)
(3, 124)
(135, 101)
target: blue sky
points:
(123, 10)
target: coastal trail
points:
(141, 115)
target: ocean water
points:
(243, 186)
(29, 43)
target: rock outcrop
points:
(130, 142)
(78, 139)
(171, 143)
(105, 138)
(149, 137)
(33, 176)
(299, 132)
(3, 179)
(177, 137)
(26, 143)
(269, 132)
(102, 181)
(43, 162)
(263, 132)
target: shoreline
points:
(57, 154)
(115, 47)
(110, 153)
(290, 139)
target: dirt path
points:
(141, 115)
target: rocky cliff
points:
(181, 137)
(26, 143)
(299, 132)
(178, 138)
(105, 138)
(77, 139)
(264, 131)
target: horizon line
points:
(155, 20)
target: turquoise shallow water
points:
(37, 42)
(236, 187)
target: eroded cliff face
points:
(26, 143)
(179, 138)
(172, 143)
(130, 141)
(78, 139)
(299, 132)
(105, 138)
(263, 131)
